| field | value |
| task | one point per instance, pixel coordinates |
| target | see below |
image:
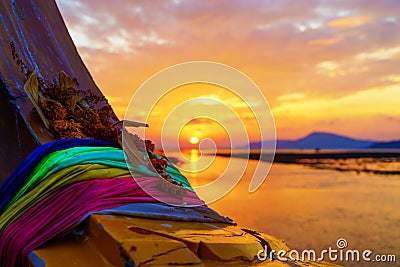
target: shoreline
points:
(379, 162)
(293, 157)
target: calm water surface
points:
(311, 208)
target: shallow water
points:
(312, 208)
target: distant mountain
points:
(324, 141)
(318, 140)
(386, 145)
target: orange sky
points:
(322, 65)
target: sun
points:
(194, 140)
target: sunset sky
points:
(322, 65)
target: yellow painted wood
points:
(126, 241)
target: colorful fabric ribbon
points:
(61, 211)
(63, 182)
(38, 166)
(15, 181)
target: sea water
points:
(313, 208)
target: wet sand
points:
(385, 162)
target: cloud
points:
(360, 114)
(381, 54)
(292, 97)
(200, 121)
(349, 22)
(320, 49)
(327, 41)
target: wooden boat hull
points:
(128, 241)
